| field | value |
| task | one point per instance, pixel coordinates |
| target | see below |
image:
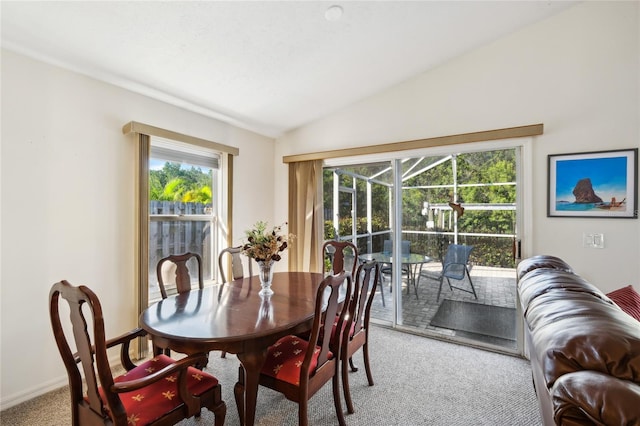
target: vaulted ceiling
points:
(267, 66)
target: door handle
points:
(517, 249)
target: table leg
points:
(252, 363)
(412, 280)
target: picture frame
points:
(599, 184)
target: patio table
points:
(414, 261)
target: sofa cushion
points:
(542, 281)
(589, 397)
(574, 331)
(628, 300)
(574, 326)
(541, 261)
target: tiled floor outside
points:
(494, 286)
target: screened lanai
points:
(457, 199)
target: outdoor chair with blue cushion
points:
(455, 266)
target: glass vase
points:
(266, 276)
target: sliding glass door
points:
(460, 210)
(357, 204)
(424, 213)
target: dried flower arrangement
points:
(263, 245)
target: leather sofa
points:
(584, 350)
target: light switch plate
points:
(598, 240)
(593, 240)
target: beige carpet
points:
(418, 381)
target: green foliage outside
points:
(172, 183)
(380, 197)
(346, 223)
(496, 167)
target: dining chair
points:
(455, 266)
(139, 396)
(337, 252)
(366, 277)
(173, 272)
(298, 368)
(341, 254)
(231, 260)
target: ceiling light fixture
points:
(333, 13)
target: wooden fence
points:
(177, 235)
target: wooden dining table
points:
(233, 318)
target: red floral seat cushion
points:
(628, 300)
(284, 359)
(146, 405)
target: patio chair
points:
(455, 266)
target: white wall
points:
(577, 72)
(68, 198)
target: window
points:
(183, 206)
(179, 148)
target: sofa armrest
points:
(590, 397)
(541, 262)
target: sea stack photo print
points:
(593, 184)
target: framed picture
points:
(593, 184)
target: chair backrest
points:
(341, 253)
(235, 256)
(405, 246)
(328, 301)
(456, 260)
(365, 281)
(84, 311)
(173, 272)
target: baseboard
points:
(41, 389)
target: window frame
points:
(143, 133)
